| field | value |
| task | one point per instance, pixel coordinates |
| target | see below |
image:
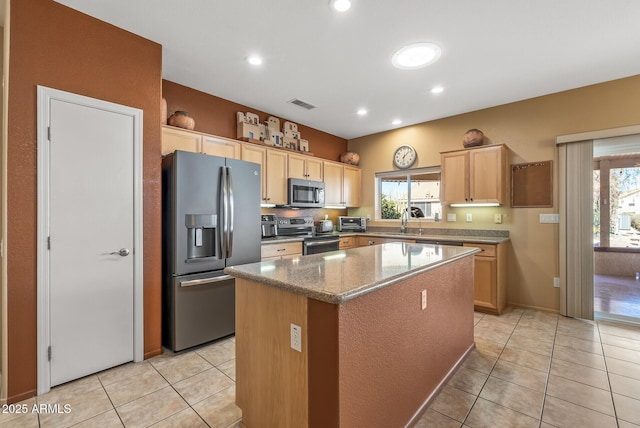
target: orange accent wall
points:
(55, 46)
(217, 116)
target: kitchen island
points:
(381, 329)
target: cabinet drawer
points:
(283, 249)
(488, 250)
(347, 242)
(363, 241)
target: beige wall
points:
(529, 129)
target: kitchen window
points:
(417, 189)
(616, 197)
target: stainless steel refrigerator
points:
(211, 220)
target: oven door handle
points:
(316, 243)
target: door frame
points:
(45, 96)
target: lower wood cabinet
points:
(490, 275)
(347, 242)
(363, 241)
(281, 250)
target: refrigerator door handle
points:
(230, 214)
(225, 208)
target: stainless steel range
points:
(303, 227)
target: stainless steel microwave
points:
(306, 193)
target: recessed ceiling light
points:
(362, 112)
(254, 60)
(416, 55)
(437, 89)
(340, 5)
(396, 122)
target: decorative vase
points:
(163, 111)
(473, 137)
(181, 119)
(351, 158)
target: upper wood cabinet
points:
(305, 167)
(477, 175)
(190, 141)
(342, 181)
(219, 146)
(273, 164)
(179, 139)
(342, 184)
(352, 186)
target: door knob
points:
(124, 252)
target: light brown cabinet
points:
(351, 188)
(274, 171)
(179, 139)
(190, 141)
(219, 146)
(347, 242)
(363, 241)
(490, 273)
(342, 184)
(278, 251)
(477, 175)
(304, 167)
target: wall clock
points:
(404, 157)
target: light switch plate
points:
(451, 217)
(469, 218)
(549, 218)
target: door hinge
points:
(49, 133)
(48, 242)
(49, 353)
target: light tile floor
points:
(529, 368)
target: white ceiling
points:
(493, 52)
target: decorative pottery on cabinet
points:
(473, 137)
(182, 119)
(351, 158)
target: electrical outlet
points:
(368, 217)
(497, 218)
(469, 218)
(451, 217)
(556, 282)
(423, 295)
(296, 337)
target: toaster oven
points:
(352, 224)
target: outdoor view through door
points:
(616, 226)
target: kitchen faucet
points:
(404, 218)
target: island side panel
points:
(268, 371)
(394, 356)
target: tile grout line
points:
(492, 368)
(113, 406)
(546, 384)
(180, 395)
(606, 368)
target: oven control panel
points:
(295, 221)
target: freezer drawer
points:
(198, 309)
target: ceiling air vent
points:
(302, 104)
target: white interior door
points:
(91, 222)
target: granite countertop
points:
(468, 238)
(338, 276)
